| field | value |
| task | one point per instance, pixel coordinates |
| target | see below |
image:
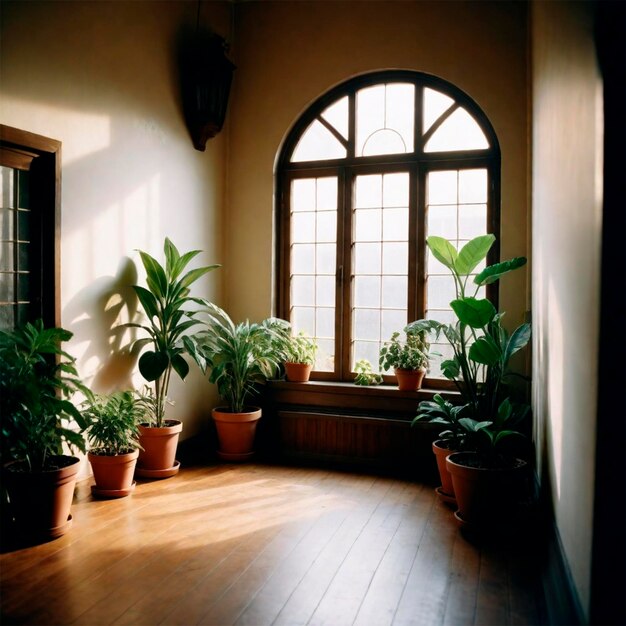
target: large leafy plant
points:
(37, 380)
(236, 357)
(113, 423)
(482, 349)
(164, 302)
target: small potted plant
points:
(483, 472)
(37, 380)
(164, 301)
(113, 434)
(365, 375)
(237, 358)
(409, 358)
(299, 357)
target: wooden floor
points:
(258, 544)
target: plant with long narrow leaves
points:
(482, 347)
(38, 380)
(164, 302)
(236, 357)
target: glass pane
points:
(433, 266)
(459, 132)
(7, 316)
(367, 291)
(303, 319)
(367, 324)
(394, 292)
(446, 316)
(23, 225)
(325, 322)
(317, 144)
(23, 190)
(445, 352)
(303, 258)
(473, 186)
(393, 320)
(395, 224)
(7, 287)
(472, 220)
(395, 258)
(303, 290)
(385, 119)
(337, 115)
(326, 229)
(7, 221)
(303, 227)
(325, 291)
(7, 261)
(303, 194)
(441, 221)
(368, 225)
(7, 187)
(23, 287)
(325, 258)
(369, 191)
(366, 350)
(367, 258)
(396, 190)
(440, 292)
(327, 194)
(325, 358)
(442, 187)
(435, 103)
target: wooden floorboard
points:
(259, 544)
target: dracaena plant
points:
(165, 302)
(236, 357)
(482, 349)
(37, 381)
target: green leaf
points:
(519, 338)
(475, 313)
(180, 366)
(493, 272)
(155, 275)
(472, 253)
(504, 410)
(450, 369)
(485, 351)
(193, 275)
(148, 301)
(443, 251)
(153, 364)
(171, 256)
(473, 425)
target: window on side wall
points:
(367, 173)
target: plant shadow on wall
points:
(94, 314)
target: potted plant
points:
(113, 434)
(37, 378)
(237, 358)
(487, 415)
(299, 357)
(164, 301)
(409, 359)
(365, 376)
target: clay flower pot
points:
(409, 380)
(113, 474)
(41, 501)
(298, 372)
(158, 457)
(446, 491)
(236, 432)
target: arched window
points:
(366, 174)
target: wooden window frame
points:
(417, 163)
(41, 156)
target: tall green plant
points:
(37, 380)
(163, 302)
(237, 357)
(481, 345)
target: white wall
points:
(101, 77)
(567, 201)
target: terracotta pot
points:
(158, 457)
(235, 432)
(298, 372)
(441, 452)
(486, 497)
(409, 380)
(41, 501)
(113, 474)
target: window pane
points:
(303, 258)
(366, 350)
(472, 220)
(326, 199)
(325, 357)
(367, 324)
(326, 229)
(367, 291)
(337, 115)
(318, 144)
(324, 323)
(369, 191)
(325, 291)
(446, 352)
(303, 194)
(393, 320)
(385, 119)
(459, 132)
(7, 287)
(302, 290)
(7, 260)
(7, 224)
(441, 221)
(7, 187)
(23, 225)
(440, 292)
(395, 224)
(441, 187)
(368, 225)
(303, 319)
(396, 258)
(435, 103)
(473, 186)
(394, 292)
(303, 227)
(325, 258)
(396, 190)
(367, 258)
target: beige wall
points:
(101, 78)
(567, 187)
(288, 53)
